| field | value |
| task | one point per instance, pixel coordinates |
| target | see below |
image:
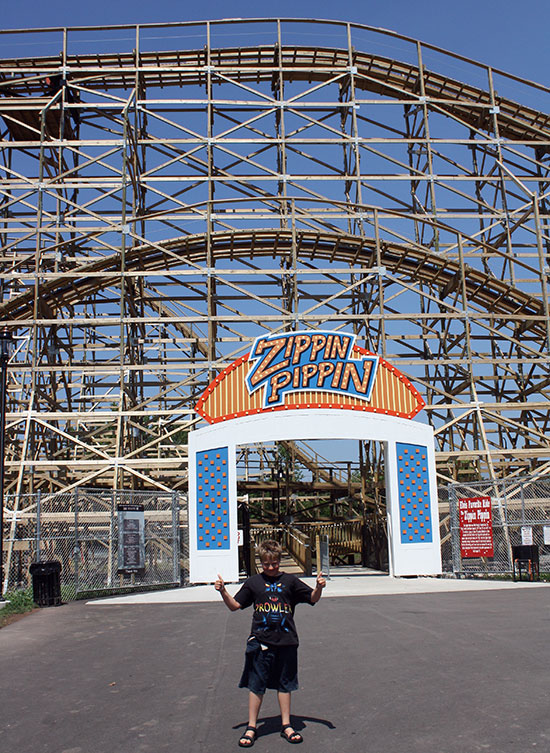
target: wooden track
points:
(418, 263)
(375, 74)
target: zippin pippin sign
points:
(308, 369)
(299, 362)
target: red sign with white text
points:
(476, 527)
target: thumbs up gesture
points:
(219, 584)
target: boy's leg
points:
(254, 704)
(284, 705)
(287, 729)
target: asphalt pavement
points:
(386, 665)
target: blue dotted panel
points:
(414, 494)
(212, 499)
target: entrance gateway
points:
(311, 385)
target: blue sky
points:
(502, 33)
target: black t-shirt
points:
(274, 600)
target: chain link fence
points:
(105, 540)
(84, 531)
(520, 510)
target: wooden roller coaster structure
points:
(178, 191)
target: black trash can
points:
(46, 583)
(525, 561)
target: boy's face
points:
(270, 564)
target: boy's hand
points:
(229, 601)
(318, 590)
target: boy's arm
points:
(230, 602)
(318, 590)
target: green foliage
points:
(287, 465)
(467, 470)
(20, 601)
(180, 437)
(17, 602)
(543, 578)
(68, 592)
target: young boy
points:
(272, 648)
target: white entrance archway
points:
(412, 505)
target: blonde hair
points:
(270, 547)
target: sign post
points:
(323, 559)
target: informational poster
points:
(526, 535)
(476, 527)
(131, 539)
(546, 534)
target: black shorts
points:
(274, 667)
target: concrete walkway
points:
(460, 667)
(345, 581)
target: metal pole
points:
(4, 356)
(38, 524)
(278, 493)
(76, 547)
(176, 575)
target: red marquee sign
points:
(476, 527)
(313, 369)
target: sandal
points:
(294, 737)
(247, 741)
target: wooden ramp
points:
(288, 564)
